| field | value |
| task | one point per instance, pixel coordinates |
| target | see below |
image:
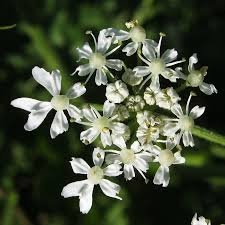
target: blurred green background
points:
(34, 168)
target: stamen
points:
(159, 44)
(113, 50)
(188, 102)
(145, 81)
(176, 62)
(89, 76)
(90, 32)
(143, 59)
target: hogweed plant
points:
(142, 120)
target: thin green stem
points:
(209, 135)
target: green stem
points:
(209, 135)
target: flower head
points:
(166, 158)
(39, 109)
(137, 34)
(116, 92)
(98, 59)
(195, 78)
(95, 176)
(184, 123)
(157, 65)
(133, 157)
(103, 125)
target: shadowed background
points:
(34, 168)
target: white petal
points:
(162, 176)
(130, 48)
(155, 85)
(83, 70)
(178, 158)
(141, 164)
(76, 90)
(177, 110)
(85, 51)
(89, 135)
(79, 166)
(146, 156)
(98, 156)
(112, 158)
(119, 34)
(29, 104)
(208, 88)
(128, 171)
(110, 189)
(118, 128)
(148, 52)
(197, 112)
(115, 64)
(104, 41)
(35, 118)
(113, 170)
(169, 55)
(100, 77)
(86, 198)
(74, 112)
(170, 129)
(89, 114)
(188, 139)
(108, 109)
(136, 147)
(141, 71)
(74, 189)
(192, 60)
(52, 82)
(59, 124)
(106, 138)
(119, 142)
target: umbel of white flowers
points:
(136, 127)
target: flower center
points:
(102, 124)
(97, 60)
(138, 34)
(195, 78)
(166, 158)
(186, 123)
(60, 102)
(127, 156)
(95, 175)
(157, 66)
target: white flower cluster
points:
(141, 121)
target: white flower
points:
(195, 77)
(148, 129)
(39, 109)
(97, 59)
(150, 96)
(137, 35)
(101, 125)
(95, 176)
(184, 123)
(135, 103)
(157, 65)
(116, 92)
(131, 158)
(199, 221)
(166, 158)
(166, 98)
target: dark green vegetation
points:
(34, 168)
